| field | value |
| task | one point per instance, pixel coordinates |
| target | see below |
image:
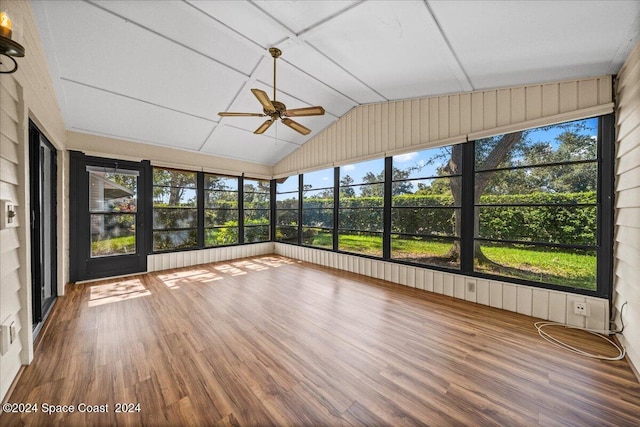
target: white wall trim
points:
(165, 261)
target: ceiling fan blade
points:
(263, 98)
(307, 111)
(226, 114)
(263, 127)
(296, 126)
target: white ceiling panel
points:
(245, 145)
(123, 58)
(517, 42)
(202, 33)
(321, 66)
(301, 15)
(160, 71)
(246, 19)
(132, 120)
(389, 34)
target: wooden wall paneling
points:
(509, 297)
(402, 274)
(421, 280)
(438, 282)
(411, 277)
(444, 124)
(598, 311)
(447, 284)
(415, 122)
(568, 96)
(524, 304)
(540, 303)
(489, 110)
(518, 105)
(557, 307)
(363, 132)
(630, 142)
(434, 119)
(459, 287)
(477, 110)
(424, 120)
(533, 95)
(588, 93)
(482, 292)
(400, 123)
(503, 106)
(454, 115)
(550, 94)
(428, 279)
(470, 294)
(465, 113)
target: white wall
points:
(627, 235)
(101, 146)
(26, 94)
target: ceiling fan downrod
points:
(275, 53)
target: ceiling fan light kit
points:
(277, 110)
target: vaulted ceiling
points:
(158, 72)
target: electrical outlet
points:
(471, 287)
(580, 308)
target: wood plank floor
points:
(273, 341)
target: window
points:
(257, 210)
(535, 204)
(112, 208)
(426, 201)
(220, 210)
(317, 208)
(175, 209)
(287, 209)
(361, 207)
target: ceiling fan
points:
(277, 110)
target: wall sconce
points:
(8, 47)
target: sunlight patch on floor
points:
(174, 279)
(121, 290)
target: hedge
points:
(435, 215)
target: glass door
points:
(43, 184)
(109, 212)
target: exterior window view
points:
(534, 212)
(536, 194)
(221, 212)
(257, 210)
(175, 209)
(113, 206)
(425, 213)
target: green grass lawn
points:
(564, 268)
(114, 246)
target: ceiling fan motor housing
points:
(280, 109)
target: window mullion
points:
(467, 210)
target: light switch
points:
(7, 214)
(8, 334)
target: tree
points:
(345, 190)
(491, 153)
